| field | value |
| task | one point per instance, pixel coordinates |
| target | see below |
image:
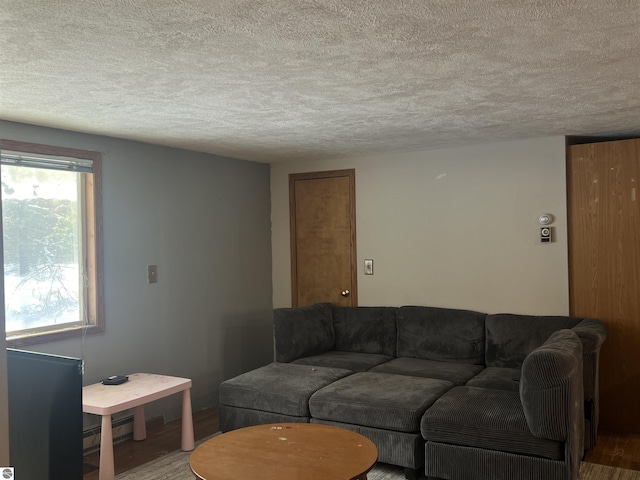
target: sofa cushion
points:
(510, 338)
(485, 418)
(498, 378)
(379, 400)
(278, 387)
(356, 362)
(303, 331)
(365, 329)
(457, 373)
(442, 334)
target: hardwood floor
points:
(161, 439)
(617, 450)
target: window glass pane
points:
(42, 247)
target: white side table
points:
(141, 388)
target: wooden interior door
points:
(323, 238)
(603, 202)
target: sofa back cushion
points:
(510, 338)
(442, 334)
(365, 329)
(302, 331)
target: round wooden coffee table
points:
(285, 451)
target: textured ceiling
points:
(291, 79)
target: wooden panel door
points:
(604, 267)
(323, 238)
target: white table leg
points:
(139, 423)
(188, 443)
(106, 450)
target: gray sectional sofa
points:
(452, 393)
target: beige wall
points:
(451, 227)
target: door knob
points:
(345, 293)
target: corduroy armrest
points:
(551, 385)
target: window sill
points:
(19, 341)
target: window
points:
(52, 243)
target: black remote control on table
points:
(114, 380)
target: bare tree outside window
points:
(41, 242)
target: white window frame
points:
(92, 260)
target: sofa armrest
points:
(551, 386)
(592, 333)
(302, 331)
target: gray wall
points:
(205, 221)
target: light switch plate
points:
(368, 266)
(152, 274)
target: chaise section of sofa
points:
(510, 338)
(536, 432)
(278, 392)
(387, 408)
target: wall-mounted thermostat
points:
(545, 235)
(546, 231)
